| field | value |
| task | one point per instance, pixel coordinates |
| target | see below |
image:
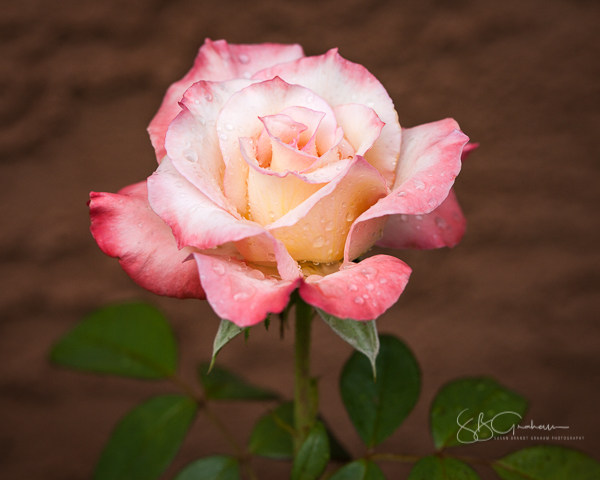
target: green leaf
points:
(359, 470)
(272, 435)
(377, 408)
(435, 468)
(227, 331)
(547, 462)
(313, 456)
(133, 340)
(145, 441)
(474, 402)
(361, 335)
(219, 467)
(220, 384)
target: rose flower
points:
(276, 172)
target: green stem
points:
(304, 398)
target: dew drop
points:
(329, 227)
(358, 300)
(419, 217)
(197, 102)
(239, 296)
(401, 193)
(179, 184)
(208, 97)
(190, 156)
(319, 242)
(272, 215)
(370, 104)
(404, 217)
(218, 268)
(223, 136)
(369, 272)
(369, 286)
(140, 225)
(383, 280)
(257, 274)
(432, 202)
(243, 58)
(441, 223)
(271, 257)
(349, 217)
(202, 121)
(419, 185)
(229, 127)
(352, 287)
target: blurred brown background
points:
(517, 299)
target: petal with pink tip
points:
(217, 61)
(338, 82)
(126, 228)
(194, 219)
(192, 141)
(360, 291)
(429, 163)
(444, 227)
(239, 293)
(316, 229)
(242, 113)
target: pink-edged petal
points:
(316, 229)
(468, 149)
(360, 291)
(240, 293)
(126, 228)
(217, 61)
(429, 163)
(241, 114)
(444, 227)
(192, 141)
(338, 82)
(194, 219)
(362, 127)
(280, 144)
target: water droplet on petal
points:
(369, 272)
(243, 58)
(432, 202)
(419, 185)
(223, 136)
(401, 193)
(329, 226)
(228, 126)
(271, 257)
(369, 286)
(179, 184)
(197, 102)
(257, 274)
(358, 300)
(404, 217)
(440, 222)
(419, 217)
(319, 242)
(370, 104)
(208, 97)
(202, 121)
(352, 287)
(218, 268)
(190, 156)
(383, 280)
(349, 217)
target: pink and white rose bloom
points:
(276, 172)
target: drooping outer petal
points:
(196, 221)
(217, 61)
(444, 227)
(360, 291)
(125, 227)
(240, 293)
(339, 82)
(429, 163)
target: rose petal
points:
(316, 229)
(362, 127)
(429, 163)
(468, 149)
(192, 141)
(239, 293)
(338, 82)
(280, 144)
(196, 221)
(217, 61)
(126, 228)
(444, 227)
(242, 113)
(360, 291)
